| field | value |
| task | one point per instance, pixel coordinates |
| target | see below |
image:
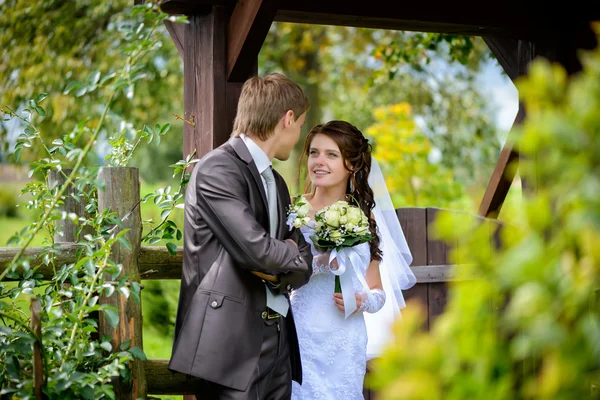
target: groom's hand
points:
(266, 277)
(269, 277)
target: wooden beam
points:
(506, 51)
(177, 32)
(442, 273)
(247, 30)
(439, 16)
(191, 7)
(523, 19)
(204, 82)
(156, 263)
(166, 382)
(210, 102)
(514, 56)
(501, 179)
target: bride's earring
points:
(351, 182)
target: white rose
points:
(343, 220)
(304, 209)
(335, 235)
(361, 230)
(332, 218)
(342, 206)
(355, 215)
(365, 220)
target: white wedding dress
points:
(333, 350)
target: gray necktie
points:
(271, 199)
(278, 302)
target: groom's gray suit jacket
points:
(218, 332)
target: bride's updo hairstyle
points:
(356, 152)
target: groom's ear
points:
(288, 118)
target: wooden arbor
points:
(220, 47)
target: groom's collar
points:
(258, 155)
(249, 151)
(238, 145)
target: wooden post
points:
(204, 93)
(121, 194)
(210, 101)
(414, 225)
(38, 367)
(69, 229)
(437, 254)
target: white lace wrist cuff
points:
(321, 264)
(375, 303)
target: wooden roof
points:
(525, 19)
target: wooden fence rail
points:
(156, 263)
(121, 193)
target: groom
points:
(234, 326)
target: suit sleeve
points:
(294, 280)
(221, 199)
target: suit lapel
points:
(259, 183)
(242, 151)
(281, 209)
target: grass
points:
(10, 226)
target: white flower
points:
(338, 222)
(304, 209)
(298, 213)
(355, 215)
(336, 235)
(332, 217)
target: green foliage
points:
(528, 327)
(349, 72)
(57, 40)
(403, 154)
(75, 365)
(167, 201)
(417, 49)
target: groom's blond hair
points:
(264, 101)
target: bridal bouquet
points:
(297, 215)
(338, 226)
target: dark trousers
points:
(272, 379)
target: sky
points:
(501, 91)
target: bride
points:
(337, 333)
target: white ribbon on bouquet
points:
(349, 259)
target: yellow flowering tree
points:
(404, 156)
